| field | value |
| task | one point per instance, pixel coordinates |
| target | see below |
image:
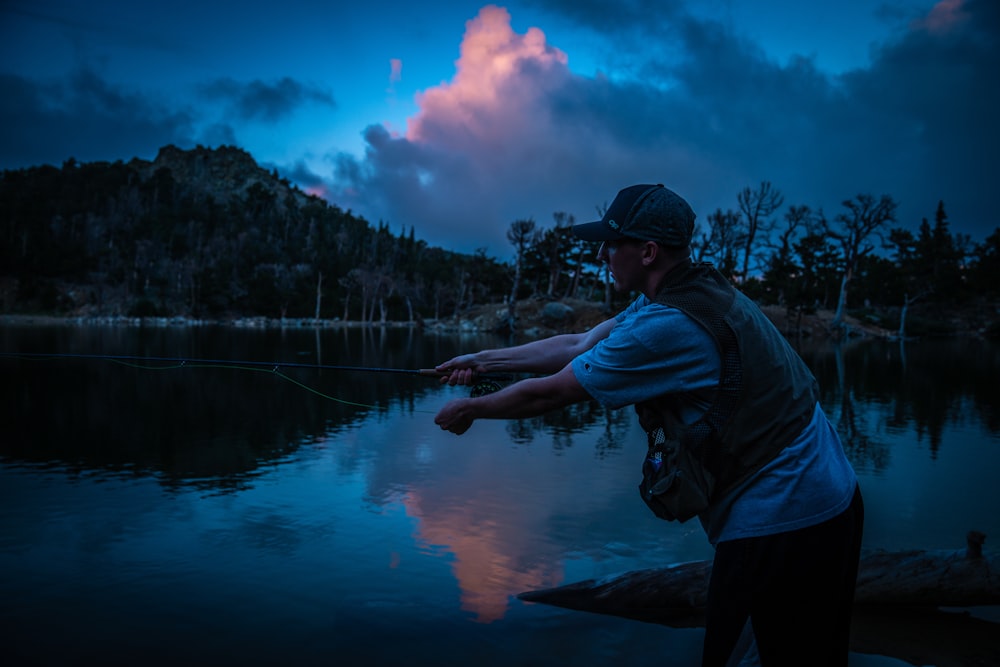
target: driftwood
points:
(896, 602)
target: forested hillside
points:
(207, 234)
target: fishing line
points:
(488, 383)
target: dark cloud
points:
(302, 174)
(707, 112)
(260, 100)
(85, 117)
(619, 18)
(931, 96)
(515, 133)
(90, 22)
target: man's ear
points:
(650, 251)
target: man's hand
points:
(527, 398)
(455, 416)
(462, 370)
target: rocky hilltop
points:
(221, 173)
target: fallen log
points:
(962, 578)
(895, 589)
(674, 595)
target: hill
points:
(208, 233)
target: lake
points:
(161, 513)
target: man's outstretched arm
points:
(527, 398)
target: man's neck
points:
(657, 276)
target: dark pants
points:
(797, 589)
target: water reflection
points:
(218, 425)
(876, 386)
(202, 425)
(331, 505)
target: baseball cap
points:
(646, 212)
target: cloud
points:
(264, 101)
(944, 17)
(472, 138)
(85, 117)
(515, 134)
(933, 117)
(395, 73)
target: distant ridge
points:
(221, 173)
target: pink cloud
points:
(944, 16)
(320, 191)
(513, 134)
(488, 82)
(395, 72)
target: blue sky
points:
(457, 118)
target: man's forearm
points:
(547, 355)
(527, 398)
(541, 356)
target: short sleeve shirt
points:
(656, 349)
(653, 350)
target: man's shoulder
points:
(663, 323)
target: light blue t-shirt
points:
(656, 349)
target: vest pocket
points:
(674, 484)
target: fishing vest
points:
(765, 397)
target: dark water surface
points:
(162, 515)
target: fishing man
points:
(736, 434)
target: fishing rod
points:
(486, 383)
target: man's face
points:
(624, 258)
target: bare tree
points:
(721, 241)
(864, 218)
(578, 252)
(782, 271)
(559, 241)
(319, 295)
(521, 234)
(757, 206)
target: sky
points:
(456, 118)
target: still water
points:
(159, 514)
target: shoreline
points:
(429, 326)
(535, 319)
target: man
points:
(736, 435)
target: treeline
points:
(146, 239)
(860, 258)
(207, 233)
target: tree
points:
(943, 259)
(319, 295)
(984, 274)
(555, 245)
(521, 234)
(820, 265)
(914, 285)
(721, 242)
(783, 274)
(757, 206)
(864, 218)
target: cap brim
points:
(596, 231)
